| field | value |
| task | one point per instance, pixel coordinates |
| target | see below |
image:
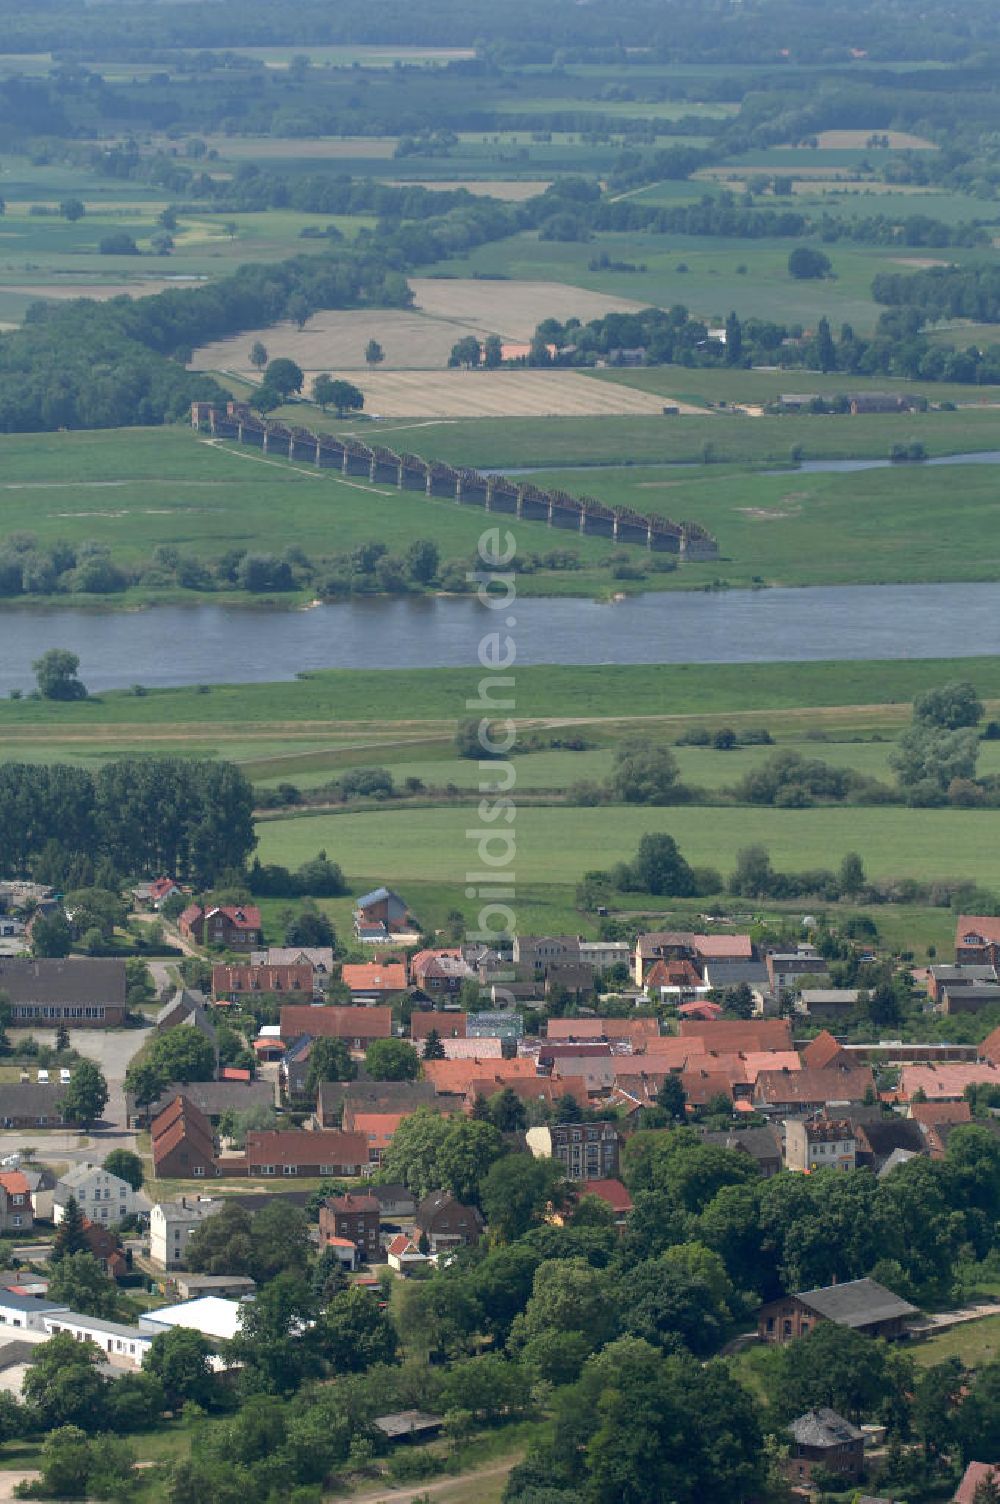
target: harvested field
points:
(858, 141)
(500, 394)
(513, 190)
(100, 291)
(513, 309)
(261, 148)
(419, 338)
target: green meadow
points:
(557, 845)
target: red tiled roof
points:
(932, 1113)
(822, 1051)
(701, 1086)
(530, 1089)
(990, 1047)
(449, 1025)
(976, 1473)
(702, 1009)
(602, 1028)
(240, 977)
(377, 1127)
(335, 1023)
(665, 1053)
(740, 1034)
(233, 1073)
(611, 1191)
(375, 976)
(242, 916)
(983, 925)
(180, 1122)
(673, 974)
(14, 1183)
(402, 1244)
(949, 1079)
(293, 1146)
(724, 947)
(455, 1075)
(350, 1203)
(805, 1086)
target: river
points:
(169, 645)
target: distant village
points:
(571, 1045)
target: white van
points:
(65, 1076)
(43, 1078)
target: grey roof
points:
(390, 1193)
(98, 1324)
(215, 1097)
(372, 1096)
(79, 1174)
(846, 995)
(408, 1422)
(29, 1099)
(896, 1158)
(963, 973)
(69, 979)
(889, 1134)
(186, 1008)
(759, 1143)
(734, 973)
(10, 1300)
(857, 1303)
(824, 1428)
(319, 957)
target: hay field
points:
(858, 140)
(141, 287)
(500, 394)
(511, 190)
(420, 338)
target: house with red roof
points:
(440, 972)
(376, 1128)
(231, 983)
(375, 981)
(823, 1051)
(977, 940)
(946, 1081)
(16, 1213)
(446, 1024)
(739, 1033)
(403, 1253)
(355, 1025)
(229, 926)
(976, 1474)
(183, 1142)
(295, 1151)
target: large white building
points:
(216, 1318)
(102, 1197)
(171, 1224)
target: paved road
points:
(458, 1486)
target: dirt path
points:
(390, 1494)
(8, 1480)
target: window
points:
(289, 1169)
(198, 1172)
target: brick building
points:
(355, 1218)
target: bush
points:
(118, 243)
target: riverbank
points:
(867, 692)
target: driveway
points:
(112, 1050)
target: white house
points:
(123, 1345)
(26, 1312)
(102, 1197)
(171, 1224)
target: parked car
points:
(43, 1078)
(65, 1075)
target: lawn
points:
(557, 845)
(974, 1343)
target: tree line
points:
(191, 818)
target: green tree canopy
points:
(56, 677)
(392, 1060)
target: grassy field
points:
(853, 694)
(557, 845)
(137, 489)
(974, 1343)
(703, 273)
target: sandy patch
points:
(919, 261)
(768, 514)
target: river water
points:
(168, 645)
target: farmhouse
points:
(977, 940)
(446, 1223)
(82, 992)
(822, 1438)
(861, 1304)
(381, 915)
(232, 926)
